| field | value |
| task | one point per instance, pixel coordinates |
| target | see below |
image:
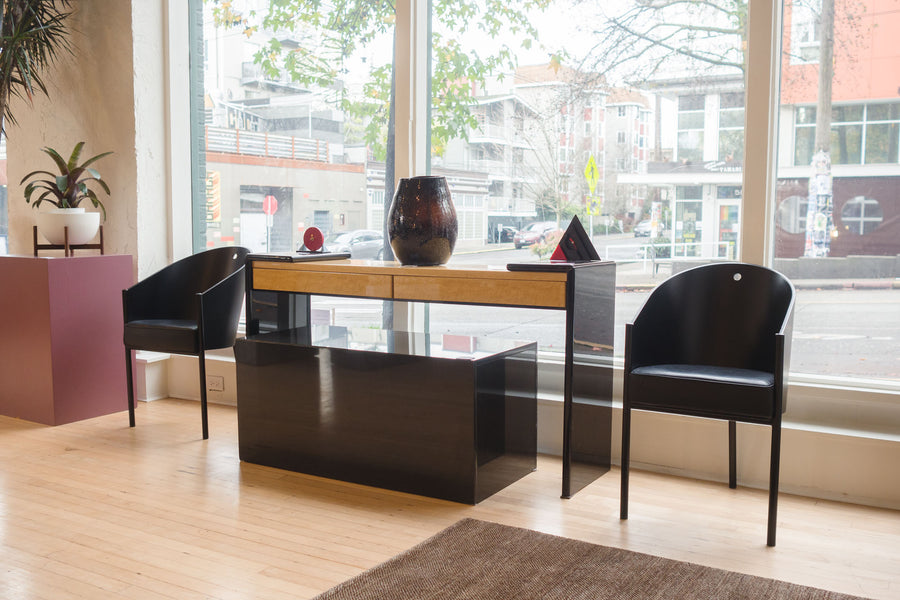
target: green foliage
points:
(70, 187)
(32, 34)
(338, 29)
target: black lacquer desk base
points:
(423, 414)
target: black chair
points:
(188, 307)
(712, 341)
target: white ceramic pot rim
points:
(82, 225)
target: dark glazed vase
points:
(422, 222)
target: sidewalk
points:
(637, 276)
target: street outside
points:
(838, 331)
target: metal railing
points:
(648, 254)
(252, 143)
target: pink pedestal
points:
(61, 353)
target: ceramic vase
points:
(422, 225)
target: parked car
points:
(507, 233)
(642, 229)
(360, 243)
(534, 233)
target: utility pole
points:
(819, 217)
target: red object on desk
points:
(313, 239)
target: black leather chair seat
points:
(163, 335)
(701, 389)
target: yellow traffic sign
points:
(591, 173)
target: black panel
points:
(409, 419)
(588, 433)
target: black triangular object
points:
(575, 245)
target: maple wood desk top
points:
(473, 284)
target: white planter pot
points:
(83, 226)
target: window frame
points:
(761, 116)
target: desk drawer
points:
(322, 282)
(506, 292)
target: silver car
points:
(360, 243)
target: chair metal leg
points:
(129, 380)
(774, 467)
(202, 359)
(626, 457)
(732, 454)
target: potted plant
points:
(66, 191)
(33, 34)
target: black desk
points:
(278, 299)
(446, 416)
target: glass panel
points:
(650, 136)
(837, 229)
(688, 228)
(731, 118)
(296, 110)
(845, 114)
(690, 146)
(883, 112)
(805, 138)
(881, 143)
(806, 115)
(696, 102)
(731, 145)
(690, 120)
(846, 144)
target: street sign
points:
(270, 204)
(591, 173)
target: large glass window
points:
(614, 127)
(838, 194)
(296, 106)
(860, 134)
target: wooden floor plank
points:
(96, 509)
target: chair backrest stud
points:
(737, 276)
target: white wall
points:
(111, 93)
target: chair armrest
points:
(220, 307)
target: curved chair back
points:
(722, 314)
(170, 292)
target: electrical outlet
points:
(215, 383)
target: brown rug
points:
(477, 560)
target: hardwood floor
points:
(98, 510)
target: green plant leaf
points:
(76, 152)
(94, 159)
(60, 162)
(33, 173)
(96, 202)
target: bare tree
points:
(646, 39)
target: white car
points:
(360, 243)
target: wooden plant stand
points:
(68, 248)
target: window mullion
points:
(762, 84)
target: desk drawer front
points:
(547, 294)
(326, 283)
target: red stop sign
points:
(270, 205)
